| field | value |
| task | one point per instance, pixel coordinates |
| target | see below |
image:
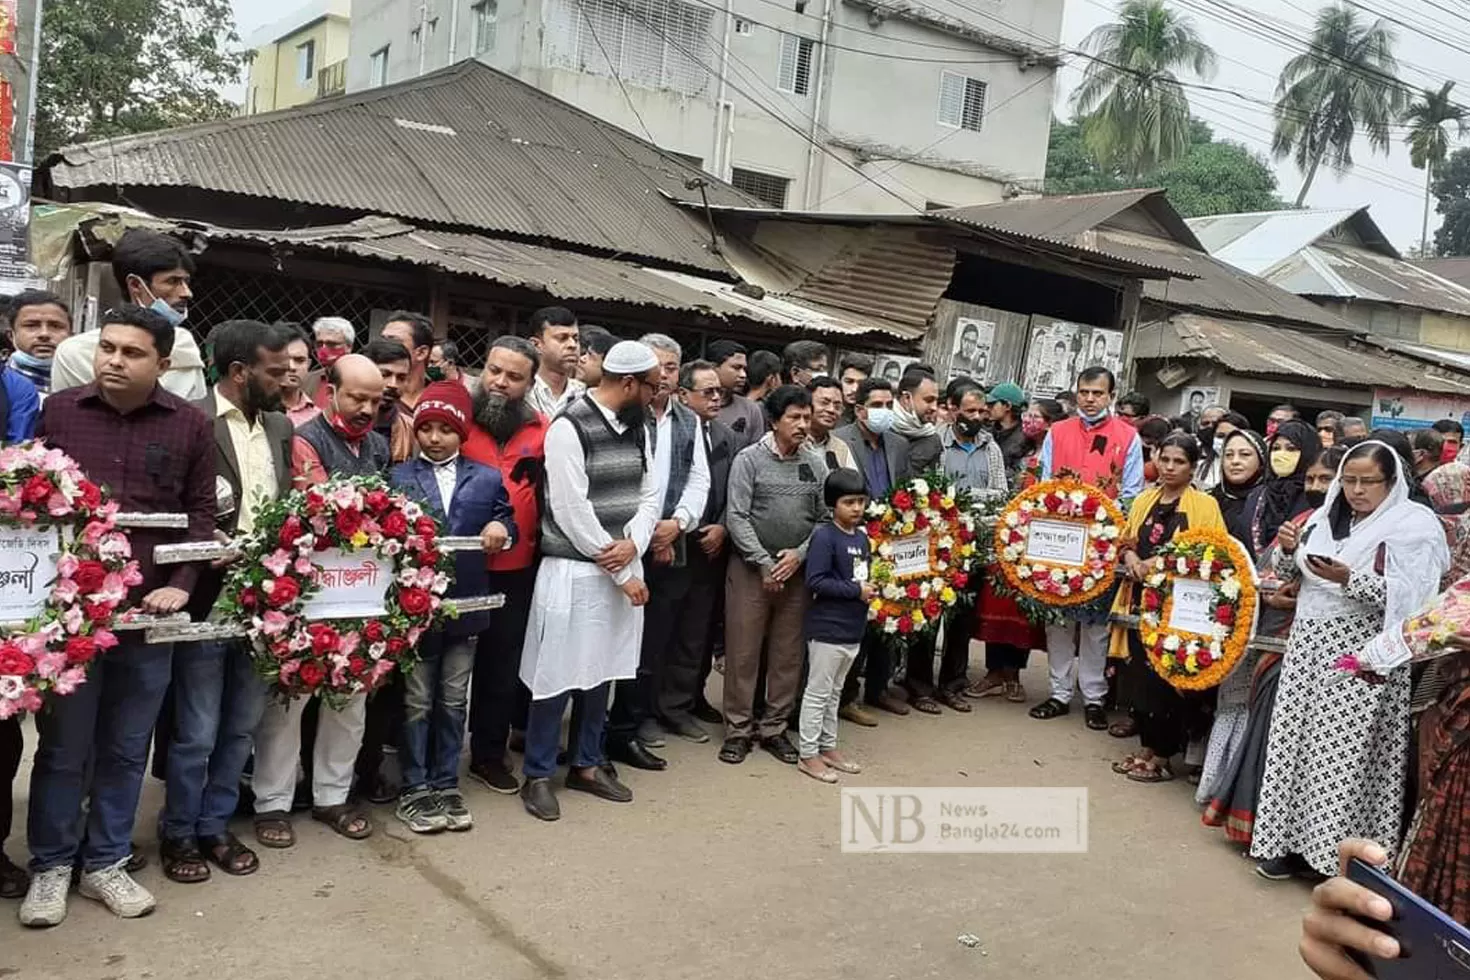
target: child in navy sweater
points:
(837, 574)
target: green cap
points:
(1008, 392)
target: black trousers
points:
(1161, 710)
(382, 727)
(691, 651)
(954, 659)
(1003, 656)
(12, 743)
(874, 666)
(637, 700)
(498, 699)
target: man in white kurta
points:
(586, 624)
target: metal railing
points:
(332, 80)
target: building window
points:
(485, 13)
(961, 101)
(416, 37)
(744, 27)
(764, 187)
(795, 72)
(378, 67)
(306, 62)
(658, 44)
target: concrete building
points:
(834, 105)
(299, 58)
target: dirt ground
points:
(721, 871)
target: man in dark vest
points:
(681, 472)
(338, 443)
(602, 506)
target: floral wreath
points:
(1059, 583)
(43, 489)
(1196, 661)
(338, 658)
(914, 602)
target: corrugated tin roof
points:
(1258, 240)
(1347, 271)
(1455, 268)
(1455, 360)
(1261, 350)
(466, 147)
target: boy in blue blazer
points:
(469, 499)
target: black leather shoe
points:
(540, 799)
(780, 746)
(635, 754)
(735, 750)
(707, 713)
(600, 785)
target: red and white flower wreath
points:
(1057, 583)
(336, 659)
(43, 489)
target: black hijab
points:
(1282, 498)
(1231, 498)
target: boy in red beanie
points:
(467, 498)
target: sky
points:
(1431, 46)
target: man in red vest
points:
(1099, 448)
(508, 435)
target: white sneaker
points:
(45, 901)
(116, 889)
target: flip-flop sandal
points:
(984, 689)
(1147, 773)
(1015, 693)
(183, 862)
(275, 822)
(341, 818)
(821, 776)
(926, 705)
(1127, 764)
(953, 701)
(226, 853)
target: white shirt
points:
(544, 400)
(253, 456)
(444, 476)
(74, 365)
(696, 489)
(566, 492)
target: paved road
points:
(722, 871)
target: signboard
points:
(28, 559)
(354, 584)
(1407, 409)
(1193, 607)
(910, 555)
(1062, 542)
(972, 343)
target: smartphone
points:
(1432, 946)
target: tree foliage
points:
(1135, 115)
(113, 67)
(1345, 82)
(1452, 192)
(1212, 177)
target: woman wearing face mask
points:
(1009, 636)
(1337, 753)
(1282, 496)
(1235, 759)
(1159, 711)
(1243, 465)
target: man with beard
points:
(558, 342)
(744, 417)
(38, 321)
(681, 473)
(508, 435)
(394, 421)
(416, 334)
(852, 370)
(217, 699)
(602, 506)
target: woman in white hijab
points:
(1337, 756)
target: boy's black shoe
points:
(495, 776)
(540, 799)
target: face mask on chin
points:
(1315, 498)
(173, 316)
(349, 429)
(1093, 419)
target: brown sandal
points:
(925, 705)
(1127, 728)
(985, 687)
(953, 701)
(183, 862)
(1151, 772)
(1015, 693)
(278, 823)
(230, 855)
(342, 817)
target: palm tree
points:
(1346, 80)
(1429, 143)
(1132, 106)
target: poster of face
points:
(15, 219)
(1105, 348)
(890, 368)
(1192, 401)
(1052, 357)
(972, 342)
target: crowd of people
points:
(651, 518)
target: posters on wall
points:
(1405, 409)
(890, 368)
(15, 221)
(973, 340)
(1059, 350)
(1194, 400)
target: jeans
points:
(543, 732)
(498, 699)
(217, 704)
(109, 717)
(434, 700)
(827, 666)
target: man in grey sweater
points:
(775, 502)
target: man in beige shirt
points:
(827, 405)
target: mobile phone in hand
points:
(1432, 946)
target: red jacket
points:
(521, 463)
(1094, 454)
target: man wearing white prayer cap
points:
(586, 621)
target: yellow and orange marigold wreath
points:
(1197, 661)
(1059, 583)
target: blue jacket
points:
(23, 406)
(479, 498)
